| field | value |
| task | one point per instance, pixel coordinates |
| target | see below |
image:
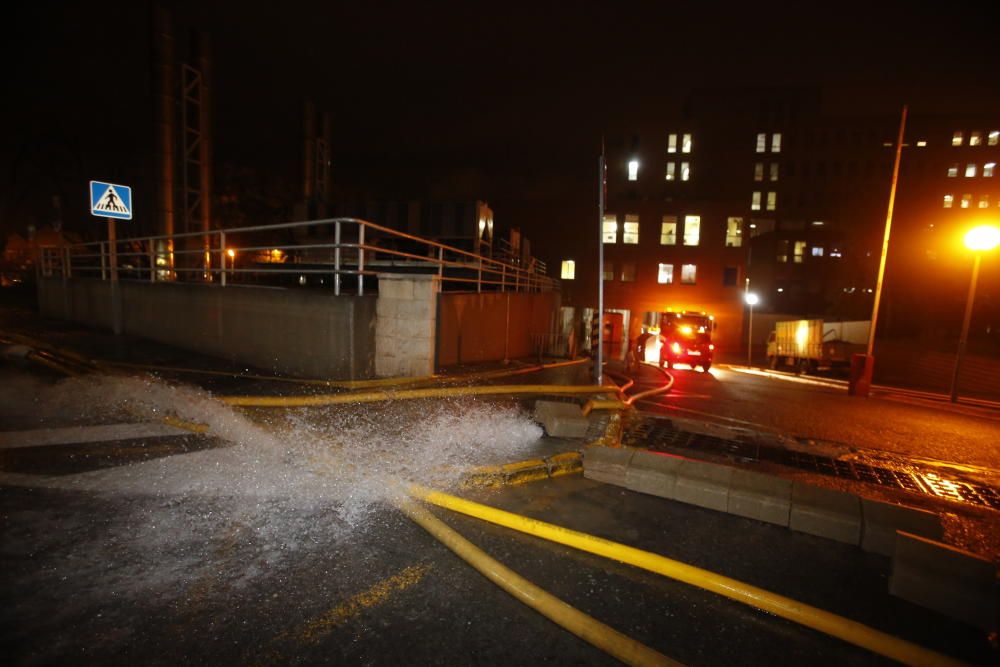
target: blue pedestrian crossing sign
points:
(108, 200)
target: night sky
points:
(504, 102)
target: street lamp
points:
(752, 300)
(979, 240)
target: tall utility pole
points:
(164, 112)
(863, 385)
(599, 360)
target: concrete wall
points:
(474, 327)
(404, 333)
(297, 332)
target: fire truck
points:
(687, 339)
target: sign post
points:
(112, 202)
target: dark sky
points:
(516, 94)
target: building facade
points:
(763, 191)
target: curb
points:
(522, 472)
(925, 571)
(548, 467)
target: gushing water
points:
(349, 456)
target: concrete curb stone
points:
(880, 521)
(703, 484)
(826, 513)
(762, 497)
(954, 582)
(655, 474)
(607, 464)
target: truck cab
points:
(687, 339)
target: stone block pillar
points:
(405, 324)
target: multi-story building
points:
(763, 191)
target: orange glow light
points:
(982, 238)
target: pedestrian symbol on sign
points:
(108, 200)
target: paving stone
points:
(560, 426)
(545, 409)
(826, 513)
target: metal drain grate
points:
(659, 434)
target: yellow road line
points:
(320, 626)
(374, 596)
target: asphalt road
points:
(108, 578)
(809, 411)
(274, 541)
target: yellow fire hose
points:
(619, 404)
(52, 364)
(609, 640)
(349, 384)
(405, 394)
(836, 626)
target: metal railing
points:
(343, 251)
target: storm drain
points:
(659, 434)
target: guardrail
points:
(343, 251)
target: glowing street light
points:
(752, 300)
(978, 239)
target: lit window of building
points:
(671, 171)
(755, 202)
(984, 201)
(921, 144)
(988, 169)
(568, 270)
(817, 251)
(665, 274)
(774, 171)
(672, 143)
(993, 138)
(953, 171)
(734, 232)
(758, 171)
(628, 272)
(772, 201)
(630, 234)
(966, 201)
(975, 138)
(836, 253)
(776, 142)
(633, 170)
(610, 228)
(692, 229)
(970, 170)
(957, 139)
(688, 274)
(782, 256)
(761, 142)
(949, 201)
(685, 171)
(686, 145)
(609, 271)
(668, 230)
(800, 251)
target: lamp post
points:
(752, 300)
(978, 239)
